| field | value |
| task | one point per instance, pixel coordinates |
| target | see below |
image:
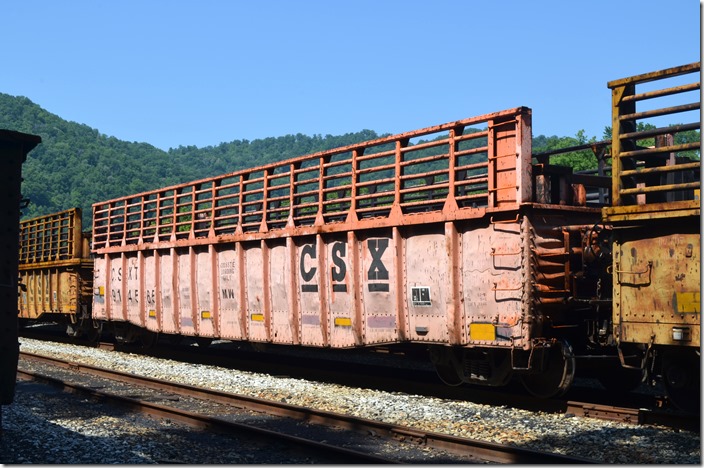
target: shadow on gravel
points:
(47, 426)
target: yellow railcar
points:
(656, 220)
(56, 271)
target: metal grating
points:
(651, 162)
(472, 163)
(51, 238)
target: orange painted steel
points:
(650, 178)
(431, 236)
(446, 172)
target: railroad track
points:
(471, 449)
(636, 409)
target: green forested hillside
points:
(76, 165)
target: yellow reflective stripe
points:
(687, 302)
(482, 331)
(343, 322)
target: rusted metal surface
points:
(656, 212)
(324, 290)
(14, 147)
(657, 286)
(656, 218)
(56, 269)
(650, 166)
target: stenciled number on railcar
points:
(377, 270)
(132, 296)
(150, 297)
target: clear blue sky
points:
(177, 72)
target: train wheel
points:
(448, 375)
(682, 380)
(557, 375)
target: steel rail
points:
(643, 415)
(485, 450)
(207, 422)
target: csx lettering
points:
(377, 270)
(338, 271)
(307, 274)
(116, 276)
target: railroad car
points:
(14, 147)
(56, 271)
(457, 239)
(448, 237)
(656, 220)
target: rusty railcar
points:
(656, 221)
(14, 147)
(448, 237)
(56, 272)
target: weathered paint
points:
(656, 286)
(644, 175)
(55, 267)
(355, 246)
(655, 210)
(466, 284)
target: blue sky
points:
(177, 72)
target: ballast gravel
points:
(34, 434)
